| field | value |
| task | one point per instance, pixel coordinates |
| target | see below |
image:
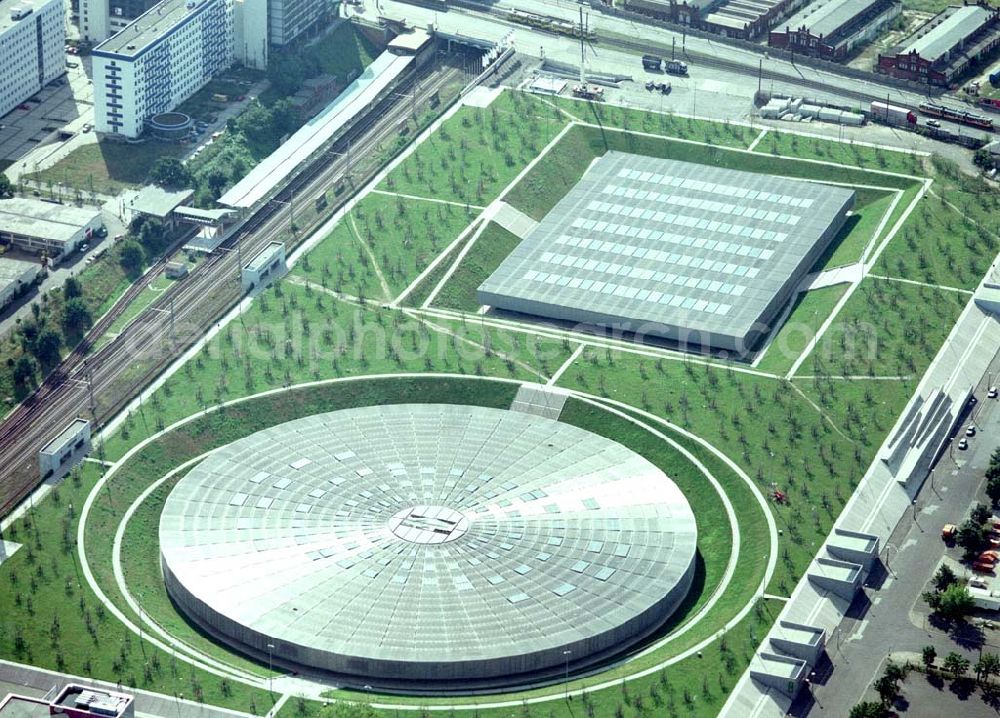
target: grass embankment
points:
(51, 618)
(492, 247)
(808, 313)
(788, 144)
(861, 230)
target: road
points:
(723, 77)
(97, 385)
(891, 616)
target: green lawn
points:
(50, 618)
(477, 152)
(492, 247)
(811, 309)
(396, 236)
(107, 167)
(886, 328)
(859, 230)
(846, 153)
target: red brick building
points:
(834, 29)
(955, 40)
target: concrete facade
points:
(268, 265)
(65, 450)
(158, 61)
(15, 276)
(32, 36)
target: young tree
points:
(6, 187)
(72, 288)
(24, 371)
(956, 664)
(171, 173)
(887, 690)
(76, 317)
(927, 655)
(131, 256)
(980, 514)
(993, 489)
(971, 536)
(956, 603)
(46, 347)
(868, 709)
(987, 665)
(944, 577)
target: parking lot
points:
(63, 106)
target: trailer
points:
(652, 62)
(676, 67)
(892, 115)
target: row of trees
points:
(44, 334)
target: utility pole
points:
(673, 48)
(582, 49)
(760, 74)
(90, 386)
(172, 318)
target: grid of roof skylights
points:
(644, 240)
(428, 541)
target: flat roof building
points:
(65, 450)
(36, 226)
(32, 37)
(957, 39)
(74, 701)
(15, 276)
(833, 29)
(158, 61)
(264, 268)
(428, 545)
(694, 254)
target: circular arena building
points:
(428, 545)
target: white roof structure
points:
(290, 156)
(44, 220)
(428, 543)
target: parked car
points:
(963, 444)
(970, 430)
(24, 106)
(933, 123)
(87, 127)
(992, 393)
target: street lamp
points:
(566, 655)
(270, 671)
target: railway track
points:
(100, 384)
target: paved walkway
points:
(514, 220)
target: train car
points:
(961, 116)
(990, 104)
(892, 115)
